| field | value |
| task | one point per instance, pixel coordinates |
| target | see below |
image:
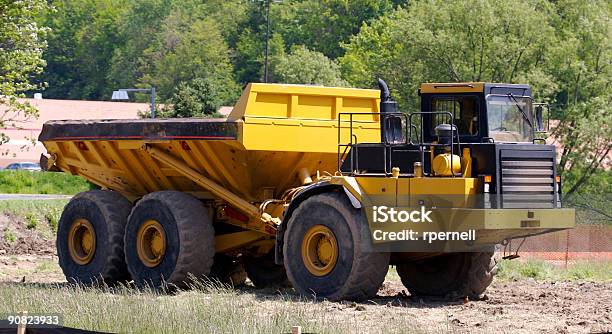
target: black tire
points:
(107, 211)
(227, 270)
(264, 273)
(190, 240)
(453, 275)
(357, 275)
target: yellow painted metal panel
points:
(443, 186)
(302, 135)
(305, 102)
(280, 130)
(378, 190)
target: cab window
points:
(464, 110)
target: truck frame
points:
(284, 187)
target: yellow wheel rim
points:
(319, 250)
(81, 241)
(151, 243)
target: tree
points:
(22, 42)
(437, 41)
(304, 66)
(198, 98)
(84, 35)
(322, 25)
(582, 68)
(188, 48)
(137, 30)
(561, 48)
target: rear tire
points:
(454, 275)
(188, 235)
(102, 260)
(331, 221)
(227, 270)
(264, 273)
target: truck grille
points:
(528, 179)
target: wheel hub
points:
(319, 250)
(151, 243)
(81, 241)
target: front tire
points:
(90, 238)
(168, 238)
(323, 251)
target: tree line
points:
(200, 54)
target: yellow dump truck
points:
(286, 187)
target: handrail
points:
(422, 145)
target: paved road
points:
(6, 197)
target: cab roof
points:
(475, 87)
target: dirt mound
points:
(17, 239)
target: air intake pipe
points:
(387, 106)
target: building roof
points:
(23, 146)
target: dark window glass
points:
(464, 110)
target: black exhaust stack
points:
(387, 106)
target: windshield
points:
(509, 118)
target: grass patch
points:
(31, 221)
(541, 270)
(9, 237)
(26, 182)
(46, 209)
(47, 266)
(42, 215)
(206, 309)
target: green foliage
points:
(82, 41)
(9, 236)
(22, 42)
(592, 201)
(199, 98)
(52, 217)
(26, 182)
(440, 41)
(322, 25)
(580, 63)
(31, 221)
(187, 49)
(137, 30)
(304, 66)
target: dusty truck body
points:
(281, 189)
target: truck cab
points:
(494, 124)
(482, 112)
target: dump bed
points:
(273, 132)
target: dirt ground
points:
(522, 306)
(25, 241)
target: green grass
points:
(208, 308)
(9, 236)
(25, 182)
(31, 221)
(541, 270)
(36, 212)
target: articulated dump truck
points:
(311, 186)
